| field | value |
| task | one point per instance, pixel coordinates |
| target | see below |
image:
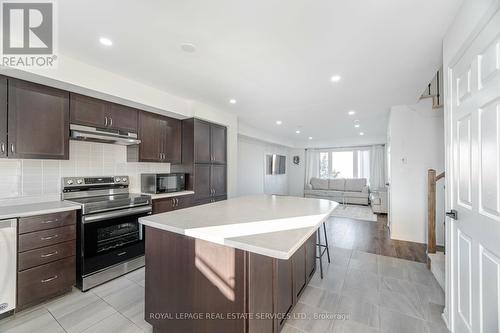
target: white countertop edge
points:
(244, 246)
(26, 212)
(168, 195)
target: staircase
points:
(434, 90)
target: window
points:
(324, 170)
(342, 164)
(345, 164)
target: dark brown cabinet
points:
(218, 143)
(171, 139)
(46, 257)
(161, 139)
(169, 204)
(310, 246)
(123, 118)
(94, 112)
(38, 121)
(209, 142)
(3, 116)
(299, 270)
(218, 180)
(284, 288)
(202, 187)
(204, 159)
(88, 111)
(209, 181)
(202, 152)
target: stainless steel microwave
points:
(163, 182)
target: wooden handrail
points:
(431, 208)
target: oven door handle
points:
(117, 213)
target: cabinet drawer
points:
(34, 285)
(38, 239)
(33, 258)
(48, 221)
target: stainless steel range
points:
(110, 240)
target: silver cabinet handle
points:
(215, 191)
(49, 254)
(110, 121)
(12, 148)
(160, 156)
(106, 121)
(50, 221)
(49, 237)
(177, 200)
(49, 279)
(121, 253)
(173, 202)
(2, 147)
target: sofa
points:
(342, 190)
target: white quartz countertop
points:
(39, 208)
(169, 195)
(274, 226)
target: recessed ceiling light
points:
(279, 122)
(356, 125)
(105, 41)
(335, 78)
(351, 112)
(188, 47)
(297, 132)
(232, 101)
(310, 138)
(361, 133)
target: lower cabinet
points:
(284, 291)
(46, 257)
(169, 204)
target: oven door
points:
(112, 237)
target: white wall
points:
(296, 173)
(79, 77)
(416, 145)
(252, 178)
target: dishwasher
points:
(8, 265)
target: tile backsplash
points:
(24, 181)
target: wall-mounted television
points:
(275, 164)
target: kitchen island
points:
(232, 266)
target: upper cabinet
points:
(218, 143)
(209, 142)
(38, 121)
(3, 117)
(88, 111)
(160, 139)
(93, 112)
(123, 118)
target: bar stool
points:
(322, 248)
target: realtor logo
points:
(28, 34)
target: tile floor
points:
(361, 292)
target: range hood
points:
(102, 135)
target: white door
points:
(474, 106)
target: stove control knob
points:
(124, 179)
(70, 182)
(79, 181)
(117, 179)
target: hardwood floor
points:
(372, 237)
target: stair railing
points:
(432, 179)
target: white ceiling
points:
(275, 57)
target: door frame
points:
(448, 312)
